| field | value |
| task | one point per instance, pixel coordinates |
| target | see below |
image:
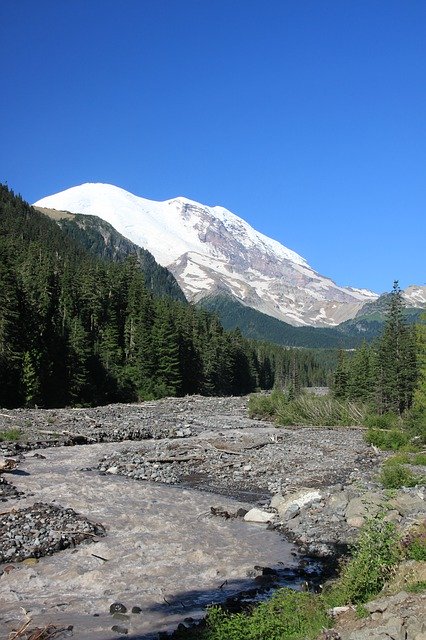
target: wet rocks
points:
(322, 522)
(8, 491)
(41, 530)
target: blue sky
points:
(306, 118)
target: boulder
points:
(290, 506)
(257, 515)
(359, 508)
(407, 504)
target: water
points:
(165, 553)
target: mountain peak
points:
(211, 249)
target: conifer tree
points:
(341, 376)
(396, 360)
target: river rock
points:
(361, 507)
(407, 504)
(257, 515)
(289, 506)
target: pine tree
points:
(341, 376)
(361, 375)
(396, 360)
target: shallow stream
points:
(163, 552)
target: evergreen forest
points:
(79, 329)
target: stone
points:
(117, 607)
(276, 500)
(119, 629)
(302, 498)
(257, 515)
(136, 610)
(113, 470)
(361, 507)
(338, 502)
(407, 504)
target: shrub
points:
(262, 406)
(288, 615)
(394, 475)
(376, 554)
(392, 440)
(383, 421)
(415, 543)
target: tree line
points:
(76, 329)
(385, 373)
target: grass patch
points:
(306, 410)
(394, 475)
(414, 544)
(419, 459)
(361, 611)
(392, 440)
(417, 587)
(10, 435)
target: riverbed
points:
(164, 552)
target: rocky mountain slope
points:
(211, 250)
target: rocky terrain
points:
(131, 471)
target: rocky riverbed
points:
(163, 480)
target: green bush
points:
(383, 421)
(288, 615)
(376, 554)
(392, 440)
(10, 434)
(394, 475)
(415, 544)
(262, 406)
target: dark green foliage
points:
(396, 364)
(376, 553)
(288, 615)
(384, 375)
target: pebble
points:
(42, 529)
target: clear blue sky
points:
(305, 117)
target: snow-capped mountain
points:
(211, 250)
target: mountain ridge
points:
(211, 250)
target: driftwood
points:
(178, 459)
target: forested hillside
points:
(75, 329)
(102, 240)
(259, 326)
